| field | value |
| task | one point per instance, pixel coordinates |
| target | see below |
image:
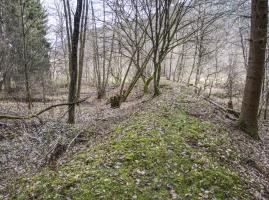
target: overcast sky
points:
(49, 6)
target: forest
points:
(134, 99)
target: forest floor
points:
(175, 146)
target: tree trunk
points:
(82, 44)
(194, 61)
(68, 26)
(7, 82)
(249, 112)
(266, 105)
(156, 74)
(73, 66)
(199, 61)
(170, 66)
(25, 62)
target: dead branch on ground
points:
(36, 115)
(235, 113)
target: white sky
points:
(49, 6)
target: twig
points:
(73, 140)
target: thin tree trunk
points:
(102, 92)
(67, 16)
(199, 62)
(74, 58)
(109, 67)
(26, 67)
(266, 91)
(194, 61)
(170, 66)
(82, 44)
(180, 64)
(70, 19)
(96, 60)
(266, 105)
(243, 47)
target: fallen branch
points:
(27, 117)
(226, 110)
(73, 140)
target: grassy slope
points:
(154, 155)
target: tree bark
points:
(82, 44)
(74, 65)
(68, 26)
(25, 62)
(249, 112)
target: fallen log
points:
(226, 110)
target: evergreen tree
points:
(24, 32)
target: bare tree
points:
(82, 40)
(249, 112)
(25, 61)
(68, 26)
(157, 24)
(103, 40)
(165, 20)
(74, 64)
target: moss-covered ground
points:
(155, 154)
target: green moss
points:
(155, 155)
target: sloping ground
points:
(26, 146)
(252, 160)
(160, 153)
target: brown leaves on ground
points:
(25, 146)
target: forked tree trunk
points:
(74, 65)
(249, 112)
(82, 44)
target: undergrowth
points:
(161, 154)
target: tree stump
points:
(115, 101)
